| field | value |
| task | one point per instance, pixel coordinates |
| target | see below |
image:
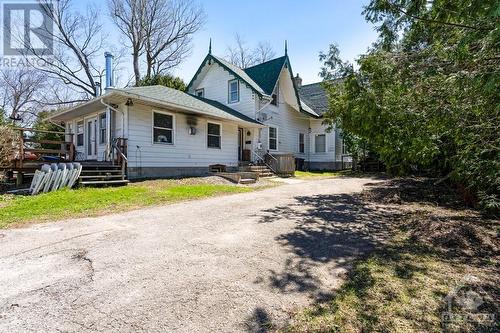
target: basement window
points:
(163, 128)
(213, 135)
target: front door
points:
(240, 144)
(91, 142)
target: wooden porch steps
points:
(102, 174)
(261, 170)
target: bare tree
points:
(263, 52)
(19, 92)
(159, 31)
(78, 42)
(240, 54)
(243, 56)
(130, 18)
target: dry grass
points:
(402, 286)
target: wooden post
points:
(21, 148)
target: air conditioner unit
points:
(263, 117)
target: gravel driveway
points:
(228, 264)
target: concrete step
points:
(104, 182)
(266, 174)
(246, 181)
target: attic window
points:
(234, 91)
(200, 92)
(274, 96)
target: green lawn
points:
(96, 201)
(317, 174)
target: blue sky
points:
(308, 25)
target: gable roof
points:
(168, 97)
(315, 97)
(261, 78)
(267, 73)
(235, 70)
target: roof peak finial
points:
(286, 47)
(210, 46)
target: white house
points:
(228, 116)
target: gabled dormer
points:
(247, 90)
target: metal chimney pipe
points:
(109, 70)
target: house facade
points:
(228, 116)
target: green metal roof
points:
(267, 74)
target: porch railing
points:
(119, 146)
(29, 144)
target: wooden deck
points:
(32, 154)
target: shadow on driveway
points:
(330, 231)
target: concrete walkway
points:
(225, 264)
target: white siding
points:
(289, 122)
(187, 150)
(329, 155)
(214, 80)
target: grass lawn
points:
(317, 174)
(97, 201)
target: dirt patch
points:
(436, 216)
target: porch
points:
(32, 150)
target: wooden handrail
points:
(22, 129)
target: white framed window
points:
(163, 128)
(213, 135)
(200, 92)
(302, 143)
(102, 128)
(273, 138)
(79, 133)
(320, 143)
(234, 91)
(275, 97)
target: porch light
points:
(192, 130)
(129, 102)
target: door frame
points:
(91, 150)
(240, 144)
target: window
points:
(102, 128)
(273, 138)
(79, 133)
(213, 135)
(234, 91)
(344, 148)
(301, 143)
(163, 128)
(320, 143)
(274, 100)
(200, 92)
